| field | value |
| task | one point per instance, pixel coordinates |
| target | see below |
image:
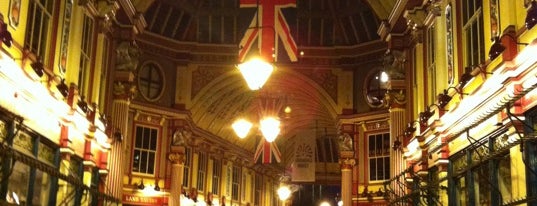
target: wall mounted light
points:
(397, 144)
(118, 136)
(497, 47)
(63, 88)
(38, 68)
(83, 104)
(466, 76)
(531, 16)
(103, 119)
(141, 186)
(444, 98)
(410, 128)
(428, 113)
(5, 35)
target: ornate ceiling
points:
(310, 92)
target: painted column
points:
(177, 159)
(397, 122)
(397, 111)
(347, 165)
(123, 92)
(347, 161)
(120, 109)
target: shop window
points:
(186, 169)
(202, 170)
(19, 183)
(86, 49)
(530, 154)
(29, 185)
(235, 183)
(433, 186)
(481, 174)
(482, 186)
(379, 156)
(473, 32)
(95, 179)
(39, 32)
(145, 150)
(74, 193)
(504, 177)
(150, 81)
(461, 191)
(217, 173)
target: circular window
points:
(150, 81)
(375, 88)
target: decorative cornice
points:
(347, 163)
(106, 14)
(176, 158)
(395, 99)
(124, 90)
(416, 22)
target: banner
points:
(303, 167)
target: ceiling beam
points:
(339, 25)
(166, 20)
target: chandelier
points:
(269, 125)
(256, 72)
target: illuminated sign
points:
(142, 200)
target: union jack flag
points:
(267, 149)
(272, 25)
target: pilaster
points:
(177, 159)
(347, 164)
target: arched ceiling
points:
(313, 24)
(227, 98)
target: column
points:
(347, 165)
(177, 159)
(397, 111)
(397, 122)
(123, 90)
(347, 160)
(116, 158)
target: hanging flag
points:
(267, 150)
(303, 167)
(267, 26)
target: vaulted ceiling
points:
(313, 24)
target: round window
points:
(150, 81)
